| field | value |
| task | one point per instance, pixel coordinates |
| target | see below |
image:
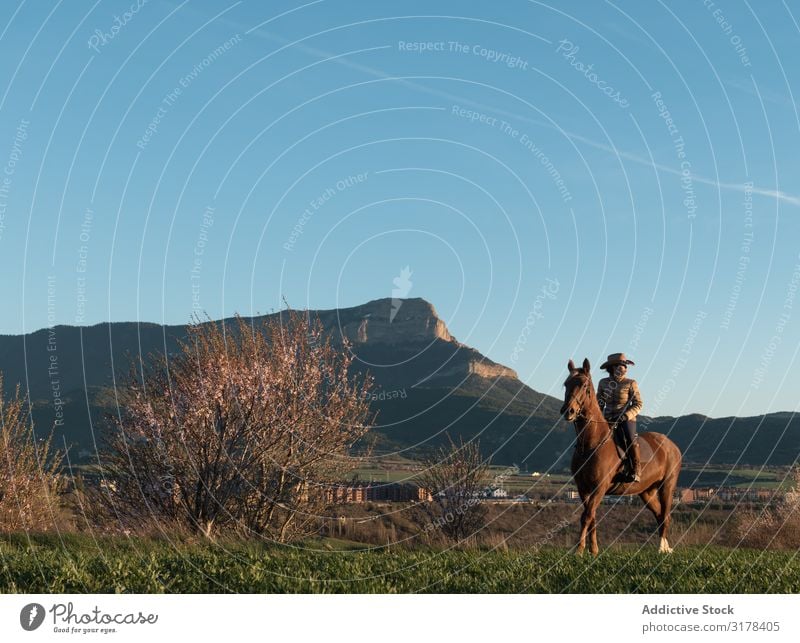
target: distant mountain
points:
(763, 440)
(428, 385)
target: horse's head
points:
(578, 391)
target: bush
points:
(238, 431)
(30, 482)
(776, 526)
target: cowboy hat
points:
(616, 358)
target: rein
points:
(578, 443)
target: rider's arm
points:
(601, 397)
(635, 401)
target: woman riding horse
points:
(595, 461)
(620, 401)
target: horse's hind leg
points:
(652, 499)
(665, 492)
(595, 549)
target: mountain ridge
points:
(428, 385)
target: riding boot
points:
(635, 461)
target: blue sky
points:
(495, 149)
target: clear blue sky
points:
(124, 199)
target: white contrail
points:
(779, 195)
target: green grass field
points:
(78, 564)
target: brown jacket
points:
(613, 395)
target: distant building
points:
(359, 492)
(397, 492)
(729, 494)
(342, 493)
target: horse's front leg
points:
(585, 521)
(590, 509)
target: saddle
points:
(645, 453)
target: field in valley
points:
(80, 564)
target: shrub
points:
(238, 431)
(30, 482)
(776, 526)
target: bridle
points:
(586, 393)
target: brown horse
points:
(596, 462)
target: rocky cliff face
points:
(411, 324)
(488, 369)
(388, 321)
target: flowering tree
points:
(455, 476)
(238, 430)
(30, 481)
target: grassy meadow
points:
(81, 564)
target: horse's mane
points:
(593, 399)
